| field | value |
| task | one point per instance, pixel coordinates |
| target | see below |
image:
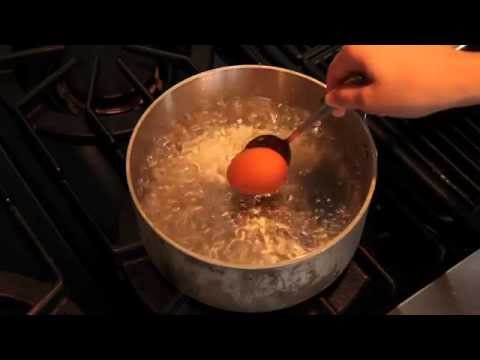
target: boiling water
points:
(186, 194)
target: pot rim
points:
(353, 223)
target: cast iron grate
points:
(24, 109)
(24, 294)
(108, 139)
(313, 60)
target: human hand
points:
(405, 81)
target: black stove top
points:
(71, 244)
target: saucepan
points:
(245, 288)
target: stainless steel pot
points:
(251, 288)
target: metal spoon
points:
(282, 146)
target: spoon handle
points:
(325, 110)
(314, 118)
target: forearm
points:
(467, 77)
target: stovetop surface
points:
(67, 219)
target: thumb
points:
(353, 98)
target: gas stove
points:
(70, 243)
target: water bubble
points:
(185, 192)
(317, 130)
(151, 161)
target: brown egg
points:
(257, 171)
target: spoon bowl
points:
(282, 146)
(273, 142)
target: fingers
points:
(345, 64)
(348, 97)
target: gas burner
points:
(56, 80)
(107, 105)
(124, 80)
(114, 93)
